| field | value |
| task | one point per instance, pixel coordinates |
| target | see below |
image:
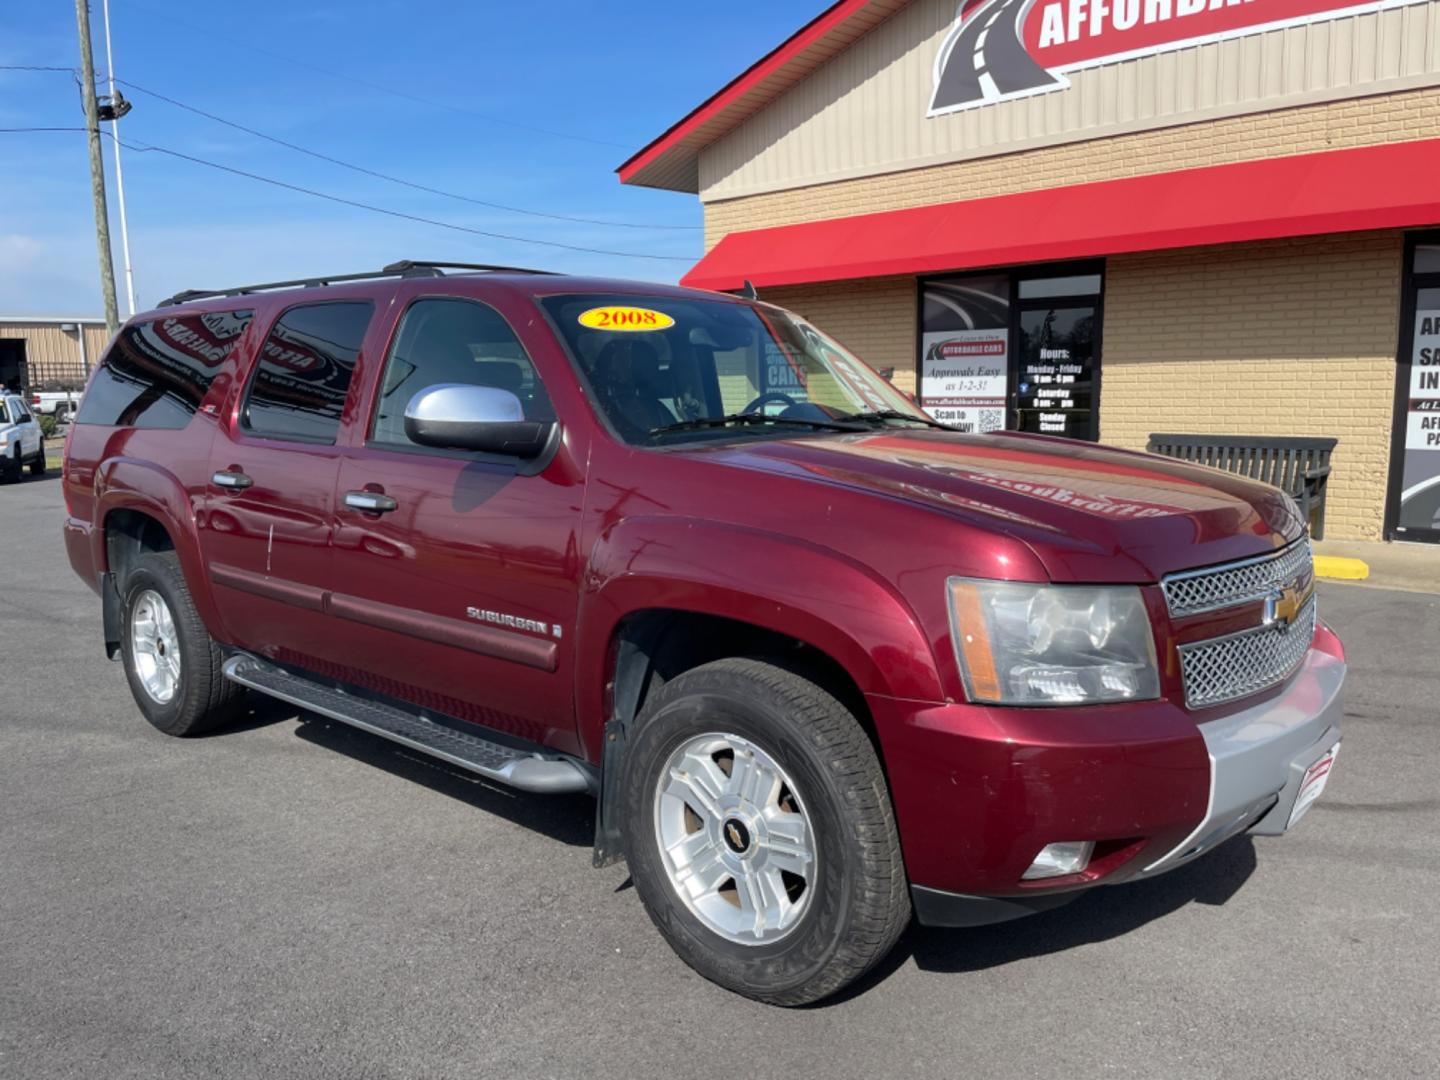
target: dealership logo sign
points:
(999, 50)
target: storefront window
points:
(1419, 503)
(1040, 288)
(964, 351)
(1427, 259)
(1016, 350)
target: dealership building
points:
(1106, 218)
(49, 351)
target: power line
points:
(149, 148)
(234, 40)
(395, 179)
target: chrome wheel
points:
(155, 646)
(735, 838)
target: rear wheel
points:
(759, 832)
(37, 463)
(171, 661)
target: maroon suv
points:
(823, 661)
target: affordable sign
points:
(1004, 49)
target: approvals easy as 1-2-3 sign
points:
(1004, 49)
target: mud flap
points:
(110, 609)
(609, 839)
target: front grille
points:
(1197, 591)
(1226, 668)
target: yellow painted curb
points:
(1342, 569)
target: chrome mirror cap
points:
(485, 419)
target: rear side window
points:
(300, 384)
(454, 341)
(156, 374)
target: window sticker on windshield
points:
(630, 319)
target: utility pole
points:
(119, 175)
(97, 168)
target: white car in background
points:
(21, 441)
(61, 404)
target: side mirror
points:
(484, 419)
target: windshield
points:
(672, 369)
(4, 414)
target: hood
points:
(1090, 513)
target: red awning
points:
(1373, 187)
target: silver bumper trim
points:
(1258, 759)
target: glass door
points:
(1017, 349)
(1414, 504)
(1057, 370)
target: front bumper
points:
(979, 791)
(1259, 757)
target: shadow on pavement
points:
(1098, 915)
(258, 712)
(27, 478)
(570, 819)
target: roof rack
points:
(405, 268)
(410, 267)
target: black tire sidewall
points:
(153, 574)
(797, 958)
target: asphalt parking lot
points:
(293, 898)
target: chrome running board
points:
(546, 774)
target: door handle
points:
(370, 502)
(235, 481)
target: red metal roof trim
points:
(1374, 187)
(811, 36)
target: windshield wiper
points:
(843, 424)
(895, 414)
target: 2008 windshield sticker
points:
(631, 319)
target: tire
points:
(38, 464)
(200, 698)
(850, 902)
(10, 467)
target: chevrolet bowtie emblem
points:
(1283, 605)
(734, 834)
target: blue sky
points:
(531, 106)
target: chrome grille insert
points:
(1225, 668)
(1194, 592)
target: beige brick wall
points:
(1285, 337)
(876, 319)
(1356, 122)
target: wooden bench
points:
(1298, 466)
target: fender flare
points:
(127, 483)
(780, 583)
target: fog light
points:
(1060, 860)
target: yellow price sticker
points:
(631, 319)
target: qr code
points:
(992, 420)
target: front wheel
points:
(759, 832)
(170, 659)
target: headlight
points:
(1021, 644)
